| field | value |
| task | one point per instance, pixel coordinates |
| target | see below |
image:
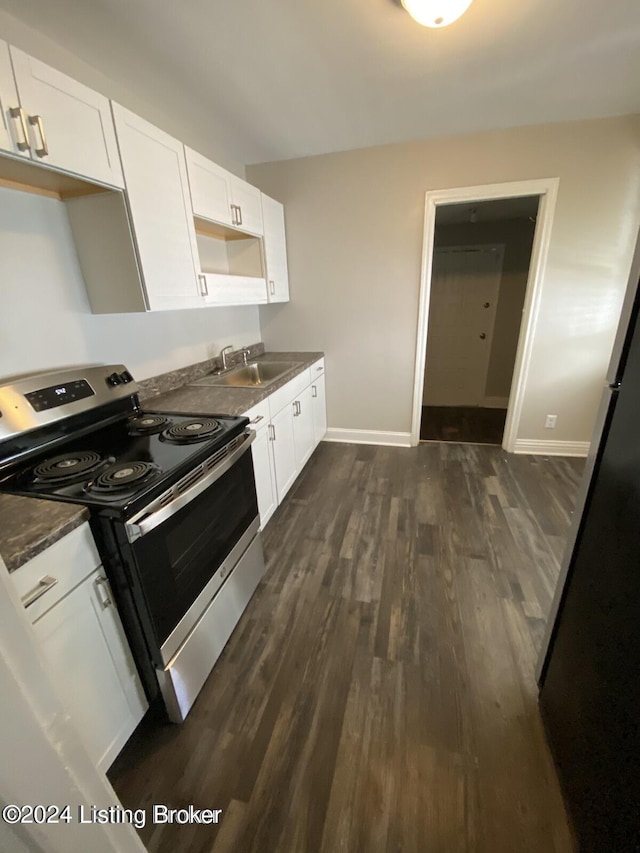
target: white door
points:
(13, 137)
(275, 249)
(69, 124)
(249, 204)
(284, 453)
(210, 188)
(264, 475)
(464, 293)
(158, 195)
(319, 409)
(91, 665)
(303, 427)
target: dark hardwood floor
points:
(378, 694)
(462, 423)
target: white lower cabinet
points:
(289, 425)
(82, 639)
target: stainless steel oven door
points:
(186, 544)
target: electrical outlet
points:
(551, 421)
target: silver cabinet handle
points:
(239, 215)
(233, 214)
(314, 391)
(18, 113)
(257, 419)
(272, 288)
(44, 585)
(204, 290)
(272, 432)
(36, 121)
(102, 591)
(319, 369)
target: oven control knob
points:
(125, 376)
(113, 379)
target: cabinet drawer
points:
(69, 561)
(258, 415)
(317, 368)
(280, 398)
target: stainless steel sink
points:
(257, 373)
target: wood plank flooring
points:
(378, 694)
(462, 423)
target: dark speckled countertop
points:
(29, 526)
(215, 399)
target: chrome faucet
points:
(246, 352)
(223, 356)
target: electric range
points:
(172, 503)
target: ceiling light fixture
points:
(436, 13)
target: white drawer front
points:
(258, 415)
(69, 561)
(280, 398)
(317, 368)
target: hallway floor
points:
(379, 692)
(462, 424)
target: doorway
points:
(482, 253)
(470, 259)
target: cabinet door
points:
(303, 427)
(11, 129)
(76, 121)
(275, 250)
(91, 665)
(284, 453)
(158, 193)
(210, 188)
(265, 476)
(319, 402)
(248, 199)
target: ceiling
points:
(286, 78)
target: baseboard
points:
(552, 448)
(495, 402)
(369, 436)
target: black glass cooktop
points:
(125, 464)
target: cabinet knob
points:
(482, 336)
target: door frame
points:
(547, 189)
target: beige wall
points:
(354, 224)
(516, 235)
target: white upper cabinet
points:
(210, 188)
(160, 205)
(13, 134)
(220, 196)
(68, 125)
(275, 250)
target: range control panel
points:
(59, 395)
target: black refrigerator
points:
(589, 673)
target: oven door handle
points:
(144, 523)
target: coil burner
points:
(147, 424)
(69, 467)
(190, 432)
(123, 476)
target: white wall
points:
(45, 319)
(516, 235)
(354, 226)
(188, 122)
